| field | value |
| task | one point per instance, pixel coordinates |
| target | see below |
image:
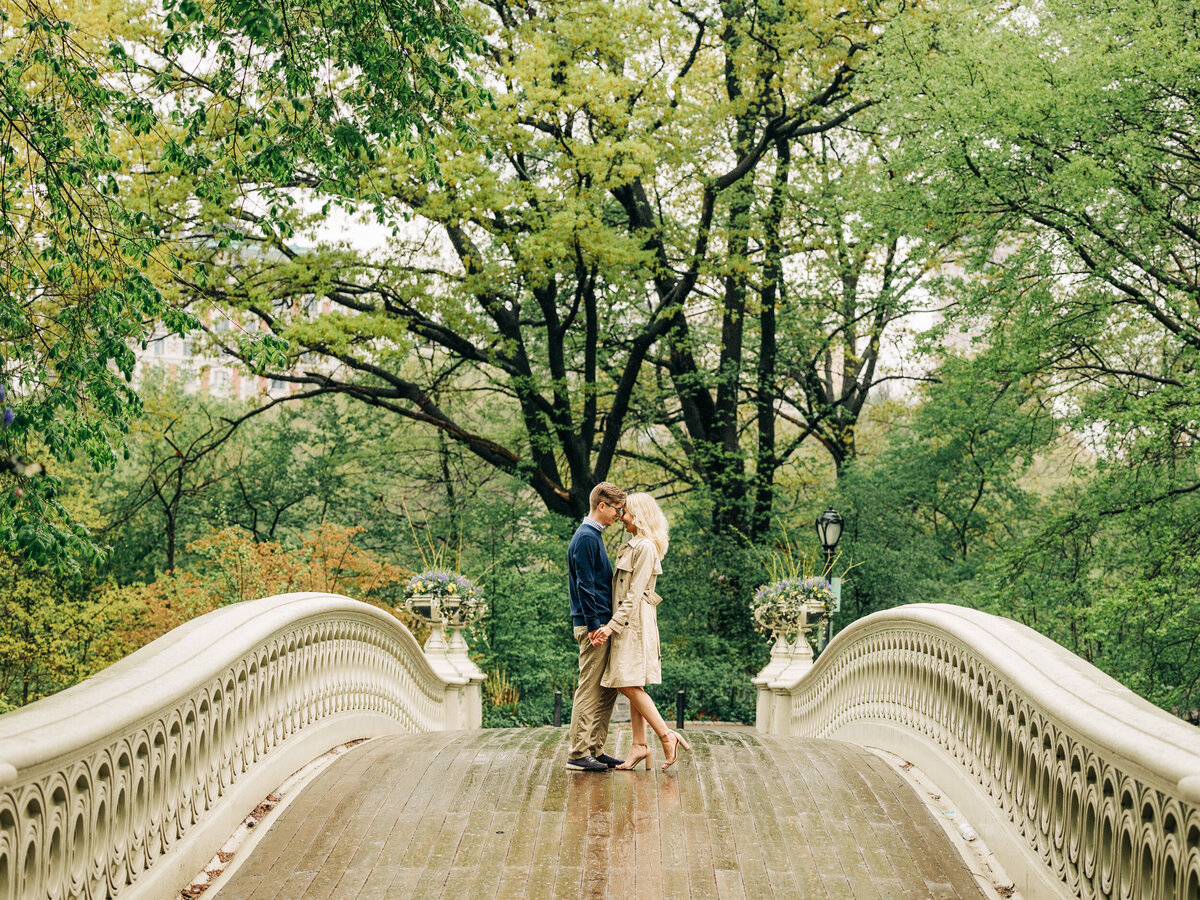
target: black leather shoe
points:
(586, 764)
(608, 760)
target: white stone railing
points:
(1080, 787)
(126, 784)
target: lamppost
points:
(829, 532)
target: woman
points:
(633, 660)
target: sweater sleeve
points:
(588, 568)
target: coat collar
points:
(626, 550)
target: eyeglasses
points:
(620, 510)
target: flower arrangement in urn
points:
(785, 607)
(445, 597)
(795, 599)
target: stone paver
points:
(494, 814)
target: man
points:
(590, 580)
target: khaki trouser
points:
(593, 705)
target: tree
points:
(612, 276)
(53, 632)
(1068, 133)
(75, 291)
(1071, 137)
(227, 566)
(177, 452)
(864, 263)
(196, 464)
(88, 119)
(1114, 579)
(930, 512)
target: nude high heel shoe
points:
(637, 753)
(671, 748)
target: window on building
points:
(220, 381)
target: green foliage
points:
(945, 491)
(715, 681)
(1069, 136)
(550, 309)
(709, 646)
(189, 471)
(227, 567)
(54, 632)
(521, 555)
(316, 88)
(76, 289)
(673, 252)
(1113, 578)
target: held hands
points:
(600, 635)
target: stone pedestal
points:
(457, 655)
(781, 652)
(450, 659)
(790, 660)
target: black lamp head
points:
(829, 529)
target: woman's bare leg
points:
(641, 706)
(637, 724)
(639, 752)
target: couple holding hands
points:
(616, 626)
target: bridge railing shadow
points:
(1080, 787)
(126, 784)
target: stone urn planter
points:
(791, 611)
(450, 602)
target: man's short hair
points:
(606, 492)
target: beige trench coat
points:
(634, 659)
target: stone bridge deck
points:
(494, 813)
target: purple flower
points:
(3, 393)
(9, 415)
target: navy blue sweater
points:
(590, 578)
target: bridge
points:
(127, 784)
(494, 813)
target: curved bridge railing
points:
(126, 784)
(1080, 787)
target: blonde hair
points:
(649, 520)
